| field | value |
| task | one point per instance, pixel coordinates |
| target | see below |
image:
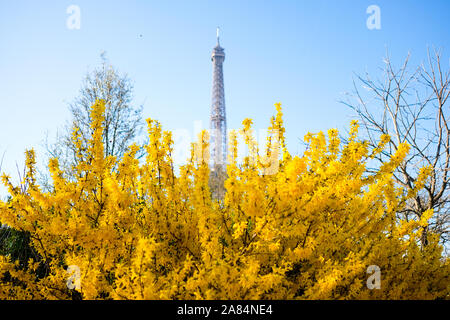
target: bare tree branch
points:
(411, 105)
(123, 122)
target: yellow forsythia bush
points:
(136, 230)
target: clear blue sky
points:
(300, 53)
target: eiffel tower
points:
(218, 124)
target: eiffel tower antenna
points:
(217, 33)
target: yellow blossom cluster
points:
(308, 228)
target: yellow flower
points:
(137, 229)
